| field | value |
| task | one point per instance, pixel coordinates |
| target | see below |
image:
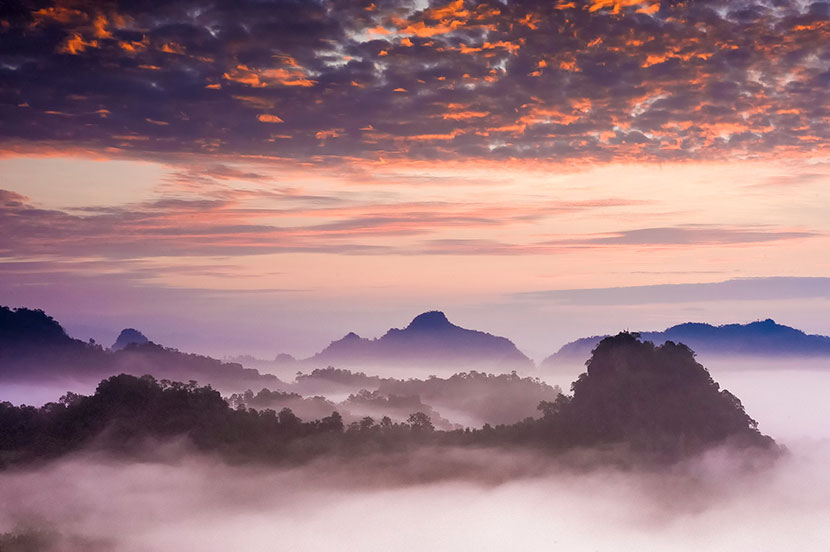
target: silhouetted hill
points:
(20, 327)
(763, 338)
(35, 348)
(129, 336)
(652, 398)
(656, 402)
(429, 340)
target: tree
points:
(333, 422)
(419, 421)
(367, 423)
(550, 409)
(288, 418)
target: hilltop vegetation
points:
(656, 401)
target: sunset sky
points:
(254, 176)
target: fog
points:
(452, 499)
(456, 500)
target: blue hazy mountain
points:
(430, 340)
(129, 336)
(762, 338)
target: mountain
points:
(762, 338)
(129, 336)
(35, 348)
(430, 340)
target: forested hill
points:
(653, 401)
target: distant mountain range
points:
(431, 341)
(763, 338)
(34, 347)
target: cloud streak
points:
(740, 289)
(281, 221)
(172, 227)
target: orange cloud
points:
(76, 44)
(261, 78)
(509, 46)
(135, 46)
(448, 18)
(460, 115)
(617, 5)
(99, 27)
(454, 9)
(430, 137)
(172, 48)
(569, 65)
(530, 21)
(268, 118)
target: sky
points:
(265, 176)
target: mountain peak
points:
(129, 336)
(432, 320)
(429, 340)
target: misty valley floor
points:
(194, 502)
(188, 501)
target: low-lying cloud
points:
(455, 500)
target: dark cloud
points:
(330, 79)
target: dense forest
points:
(652, 400)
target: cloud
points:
(741, 289)
(699, 235)
(237, 222)
(468, 499)
(606, 80)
